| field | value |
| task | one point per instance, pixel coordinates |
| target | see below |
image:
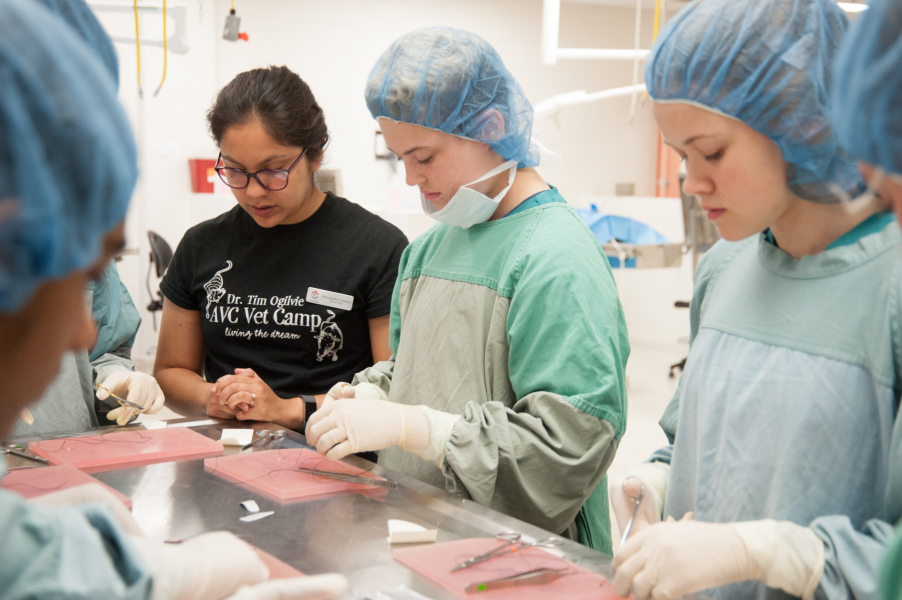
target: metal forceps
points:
(350, 478)
(638, 501)
(511, 543)
(17, 450)
(534, 577)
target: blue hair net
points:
(82, 19)
(451, 80)
(867, 89)
(768, 64)
(67, 155)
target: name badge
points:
(327, 298)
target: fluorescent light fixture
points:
(852, 7)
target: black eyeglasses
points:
(270, 179)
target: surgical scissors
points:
(122, 401)
(511, 543)
(266, 434)
(638, 501)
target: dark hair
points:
(283, 103)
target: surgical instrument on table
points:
(122, 401)
(534, 577)
(266, 434)
(14, 450)
(349, 478)
(512, 544)
(638, 501)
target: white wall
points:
(333, 45)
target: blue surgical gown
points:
(788, 406)
(66, 552)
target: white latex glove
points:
(140, 388)
(210, 566)
(343, 427)
(362, 391)
(92, 492)
(316, 587)
(654, 477)
(340, 390)
(791, 556)
(367, 391)
(671, 559)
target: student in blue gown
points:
(783, 427)
(867, 94)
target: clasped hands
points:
(246, 397)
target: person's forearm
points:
(186, 392)
(292, 412)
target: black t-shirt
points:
(291, 302)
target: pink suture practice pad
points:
(277, 568)
(110, 451)
(436, 560)
(31, 483)
(271, 472)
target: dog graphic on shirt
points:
(330, 339)
(214, 288)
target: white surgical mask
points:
(469, 207)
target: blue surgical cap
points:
(68, 163)
(452, 80)
(768, 64)
(867, 88)
(82, 19)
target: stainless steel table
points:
(343, 533)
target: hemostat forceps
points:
(638, 501)
(512, 544)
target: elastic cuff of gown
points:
(428, 432)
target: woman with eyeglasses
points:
(271, 303)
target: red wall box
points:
(202, 175)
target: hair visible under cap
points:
(281, 100)
(769, 64)
(453, 81)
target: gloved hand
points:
(363, 391)
(623, 492)
(92, 492)
(348, 425)
(316, 587)
(340, 390)
(343, 427)
(140, 388)
(210, 566)
(672, 559)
